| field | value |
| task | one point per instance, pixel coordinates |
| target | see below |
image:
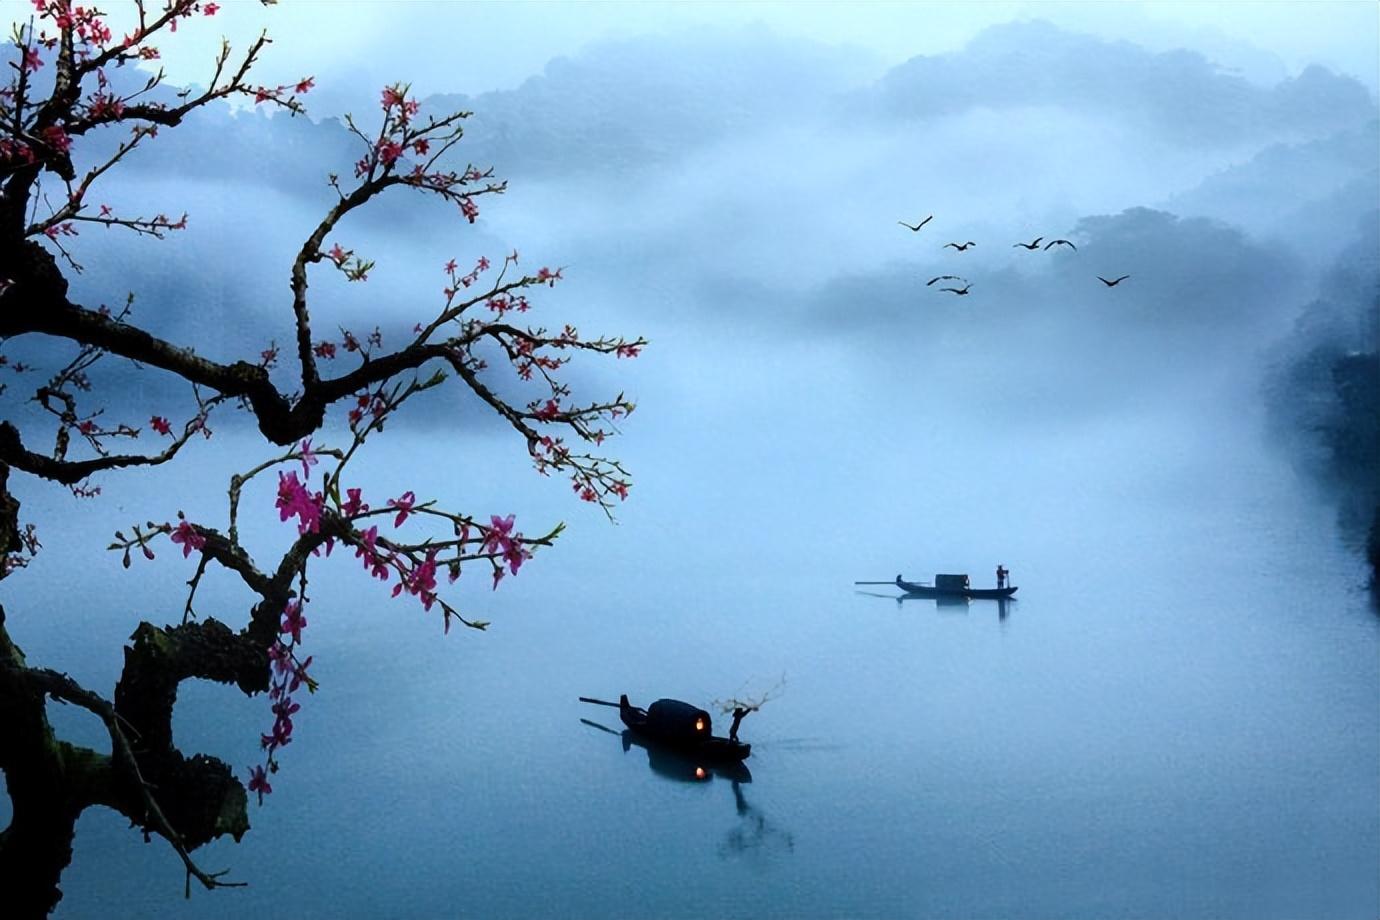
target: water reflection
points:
(948, 604)
(672, 764)
(755, 837)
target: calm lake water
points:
(1176, 719)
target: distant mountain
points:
(1323, 391)
(614, 107)
(637, 104)
(1308, 190)
(1178, 94)
(1199, 289)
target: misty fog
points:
(1176, 718)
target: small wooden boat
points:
(952, 586)
(680, 726)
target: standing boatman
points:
(1002, 573)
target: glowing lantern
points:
(699, 725)
(699, 773)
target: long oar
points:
(892, 583)
(585, 699)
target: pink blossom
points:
(376, 564)
(308, 458)
(469, 209)
(389, 151)
(305, 85)
(391, 97)
(210, 9)
(187, 535)
(499, 530)
(288, 491)
(293, 620)
(258, 782)
(422, 581)
(282, 735)
(404, 505)
(338, 255)
(294, 501)
(32, 61)
(103, 105)
(160, 425)
(14, 150)
(299, 675)
(502, 541)
(281, 656)
(515, 556)
(353, 505)
(283, 711)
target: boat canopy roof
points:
(951, 582)
(675, 717)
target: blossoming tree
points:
(316, 405)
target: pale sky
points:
(443, 46)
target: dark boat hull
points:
(916, 590)
(711, 749)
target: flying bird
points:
(942, 278)
(959, 291)
(1033, 244)
(1061, 243)
(922, 223)
(960, 246)
(1112, 283)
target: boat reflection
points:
(755, 837)
(676, 765)
(947, 604)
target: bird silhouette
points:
(922, 223)
(960, 246)
(1112, 283)
(1033, 244)
(942, 278)
(1061, 243)
(959, 291)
